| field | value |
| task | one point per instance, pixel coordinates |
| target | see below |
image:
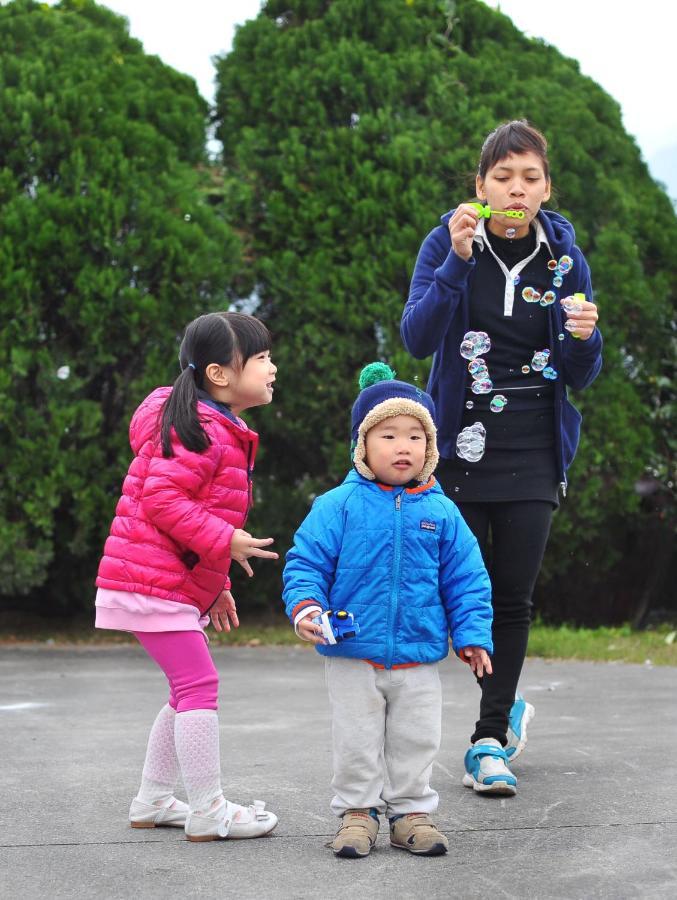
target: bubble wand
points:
(486, 212)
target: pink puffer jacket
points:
(173, 525)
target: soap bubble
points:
(526, 370)
(571, 305)
(549, 373)
(469, 404)
(540, 360)
(476, 364)
(565, 264)
(498, 403)
(510, 233)
(63, 372)
(552, 264)
(571, 326)
(470, 442)
(548, 298)
(475, 343)
(557, 281)
(483, 386)
(560, 337)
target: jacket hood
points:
(558, 230)
(145, 423)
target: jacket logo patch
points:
(428, 526)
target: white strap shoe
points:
(171, 812)
(232, 821)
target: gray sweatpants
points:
(386, 728)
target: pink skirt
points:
(127, 611)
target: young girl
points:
(164, 571)
(491, 298)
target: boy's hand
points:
(477, 659)
(223, 612)
(243, 545)
(310, 631)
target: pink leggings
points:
(184, 658)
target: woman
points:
(492, 298)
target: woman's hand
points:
(477, 659)
(243, 545)
(308, 630)
(462, 230)
(580, 323)
(223, 612)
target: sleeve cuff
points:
(304, 609)
(454, 270)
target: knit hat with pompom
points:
(381, 397)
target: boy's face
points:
(396, 449)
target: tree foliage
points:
(107, 249)
(347, 128)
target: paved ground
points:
(595, 816)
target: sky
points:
(628, 49)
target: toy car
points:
(337, 625)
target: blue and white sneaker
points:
(521, 713)
(486, 769)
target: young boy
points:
(391, 549)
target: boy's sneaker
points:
(357, 834)
(170, 812)
(486, 769)
(230, 820)
(417, 833)
(521, 713)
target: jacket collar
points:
(354, 477)
(481, 235)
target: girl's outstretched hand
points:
(223, 612)
(243, 545)
(477, 659)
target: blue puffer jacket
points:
(403, 561)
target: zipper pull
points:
(398, 502)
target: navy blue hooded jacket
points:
(437, 315)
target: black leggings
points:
(519, 532)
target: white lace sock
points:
(161, 767)
(196, 737)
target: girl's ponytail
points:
(180, 413)
(207, 339)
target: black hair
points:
(516, 137)
(228, 339)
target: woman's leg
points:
(519, 534)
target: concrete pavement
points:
(595, 815)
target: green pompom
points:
(373, 373)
